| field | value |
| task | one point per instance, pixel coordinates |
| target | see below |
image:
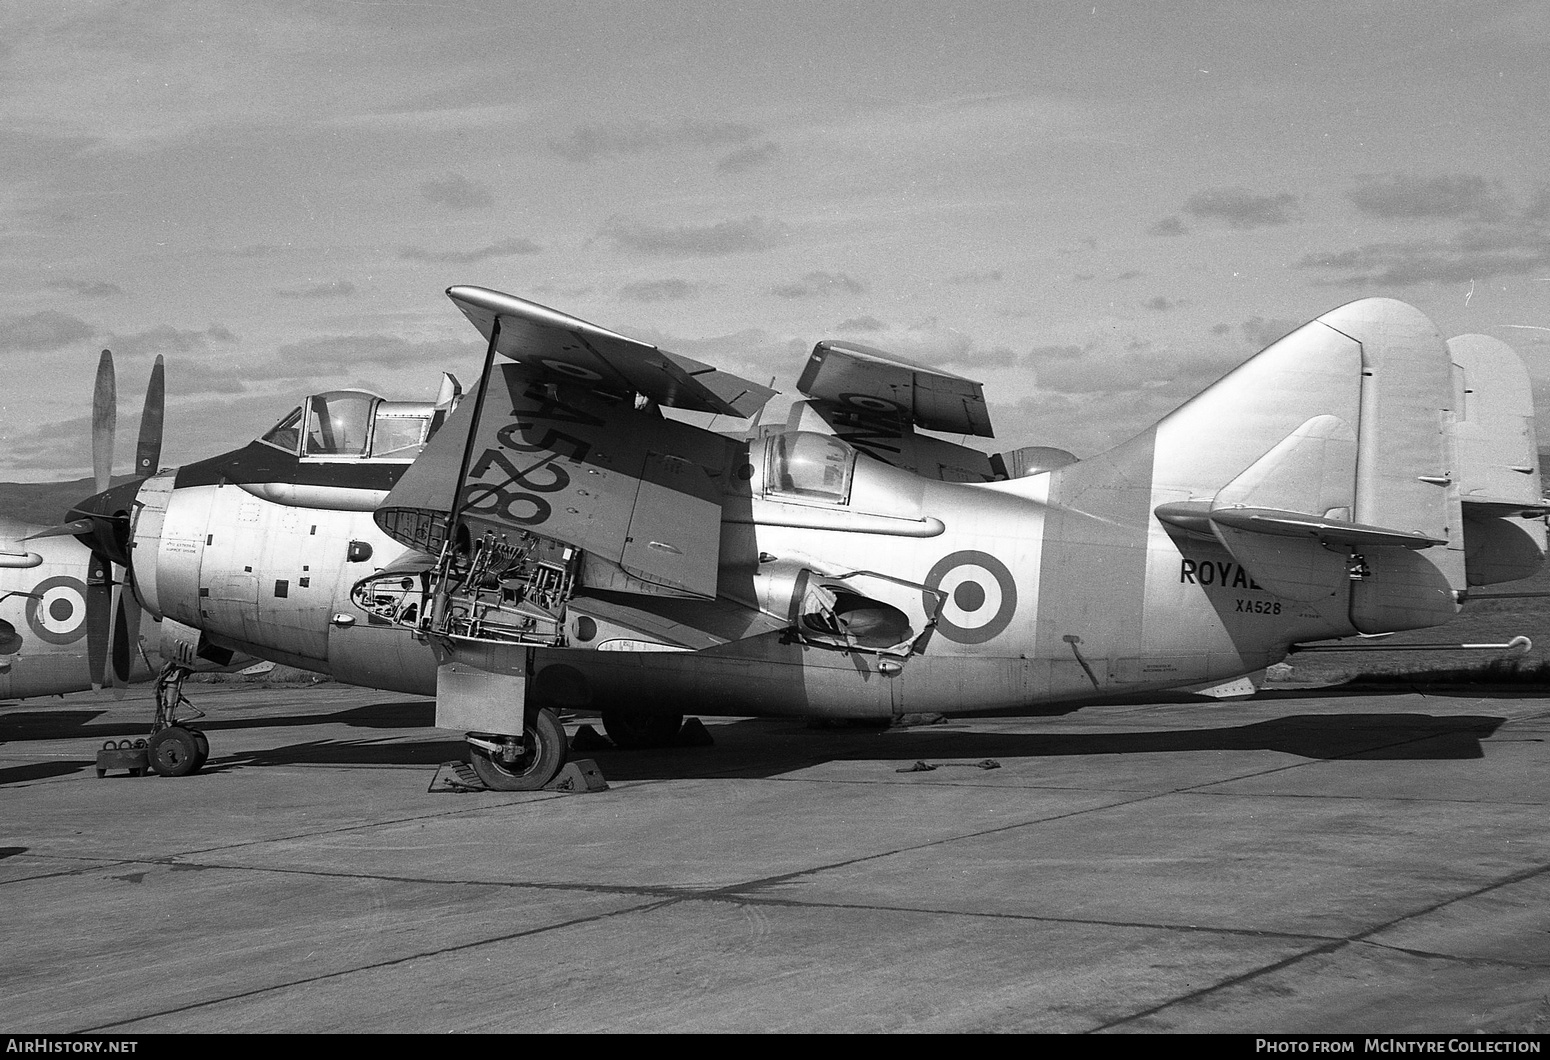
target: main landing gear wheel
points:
(202, 743)
(530, 768)
(629, 729)
(175, 752)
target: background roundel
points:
(575, 371)
(57, 614)
(873, 404)
(981, 596)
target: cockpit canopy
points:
(808, 466)
(356, 425)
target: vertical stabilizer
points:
(1325, 465)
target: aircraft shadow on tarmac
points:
(760, 748)
(770, 747)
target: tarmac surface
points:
(1295, 862)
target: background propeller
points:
(104, 522)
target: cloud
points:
(1429, 261)
(1241, 208)
(862, 323)
(976, 276)
(45, 330)
(658, 291)
(750, 157)
(1168, 226)
(1081, 371)
(457, 192)
(1424, 198)
(819, 285)
(86, 288)
(589, 143)
(1160, 304)
(341, 354)
(335, 289)
(724, 237)
(168, 340)
(505, 248)
(1261, 332)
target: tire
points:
(202, 742)
(538, 766)
(631, 730)
(173, 752)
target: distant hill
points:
(45, 503)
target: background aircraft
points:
(44, 648)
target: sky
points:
(1095, 208)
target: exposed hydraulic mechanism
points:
(507, 590)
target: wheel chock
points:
(578, 776)
(456, 776)
(693, 733)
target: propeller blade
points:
(126, 634)
(71, 529)
(99, 619)
(148, 449)
(104, 421)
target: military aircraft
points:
(1359, 476)
(560, 542)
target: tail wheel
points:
(173, 752)
(533, 767)
(630, 729)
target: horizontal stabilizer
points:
(565, 349)
(1201, 518)
(1297, 524)
(880, 383)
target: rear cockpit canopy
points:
(806, 466)
(355, 425)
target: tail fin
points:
(1324, 463)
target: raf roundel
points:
(575, 371)
(57, 611)
(979, 596)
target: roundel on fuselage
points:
(57, 610)
(980, 596)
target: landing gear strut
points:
(505, 763)
(175, 750)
